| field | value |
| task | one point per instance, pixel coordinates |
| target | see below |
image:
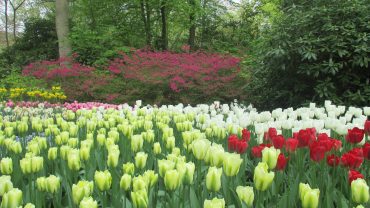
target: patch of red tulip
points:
(278, 141)
(353, 175)
(246, 135)
(272, 132)
(291, 145)
(333, 160)
(366, 151)
(355, 135)
(281, 162)
(352, 159)
(236, 144)
(306, 136)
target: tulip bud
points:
(128, 168)
(103, 180)
(114, 135)
(6, 166)
(29, 205)
(52, 184)
(81, 190)
(64, 136)
(73, 129)
(136, 143)
(231, 164)
(200, 148)
(216, 155)
(170, 142)
(245, 194)
(101, 139)
(22, 127)
(140, 160)
(311, 198)
(270, 156)
(16, 147)
(189, 173)
(73, 142)
(360, 191)
(5, 184)
(37, 163)
(113, 156)
(9, 131)
(88, 202)
(125, 182)
(74, 161)
(25, 164)
(213, 179)
(41, 183)
(12, 198)
(140, 199)
(157, 148)
(139, 183)
(85, 153)
(214, 203)
(64, 151)
(150, 177)
(53, 153)
(172, 180)
(262, 178)
(164, 166)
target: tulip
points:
(125, 182)
(12, 198)
(360, 191)
(140, 199)
(172, 180)
(101, 139)
(41, 183)
(151, 177)
(128, 168)
(88, 202)
(200, 148)
(37, 163)
(53, 153)
(139, 183)
(25, 164)
(113, 156)
(270, 156)
(245, 194)
(262, 178)
(231, 164)
(136, 143)
(52, 184)
(74, 161)
(189, 173)
(157, 148)
(103, 180)
(64, 151)
(81, 190)
(6, 166)
(164, 166)
(311, 198)
(213, 179)
(73, 142)
(170, 142)
(214, 203)
(216, 155)
(85, 153)
(140, 160)
(5, 184)
(29, 205)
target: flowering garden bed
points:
(100, 155)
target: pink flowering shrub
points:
(203, 76)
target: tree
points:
(146, 12)
(6, 22)
(62, 27)
(164, 34)
(191, 40)
(15, 8)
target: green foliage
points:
(316, 52)
(38, 42)
(16, 80)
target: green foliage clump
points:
(317, 50)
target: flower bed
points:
(101, 155)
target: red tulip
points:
(333, 160)
(278, 141)
(271, 133)
(305, 137)
(352, 159)
(355, 135)
(232, 142)
(291, 144)
(241, 146)
(367, 127)
(317, 151)
(322, 136)
(281, 162)
(366, 151)
(353, 175)
(246, 135)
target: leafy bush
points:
(38, 42)
(317, 52)
(179, 77)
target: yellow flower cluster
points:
(33, 94)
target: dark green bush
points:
(318, 50)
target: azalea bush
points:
(100, 155)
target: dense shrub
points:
(318, 50)
(38, 42)
(179, 77)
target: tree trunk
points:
(146, 15)
(164, 26)
(191, 40)
(15, 9)
(62, 27)
(6, 23)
